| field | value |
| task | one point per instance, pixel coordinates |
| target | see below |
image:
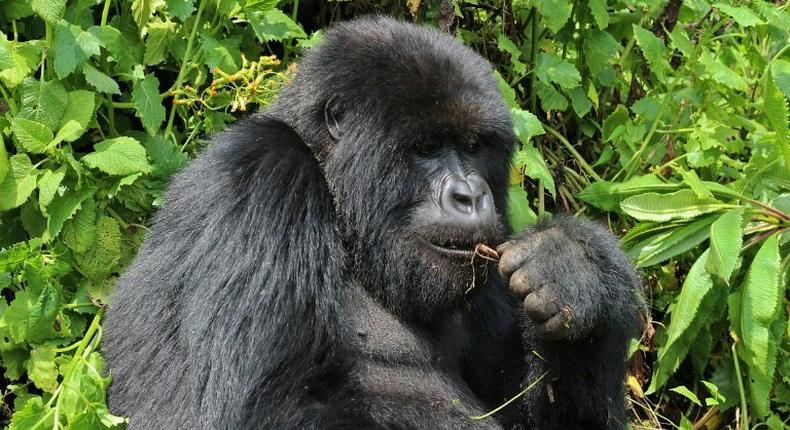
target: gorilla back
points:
(314, 268)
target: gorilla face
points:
(415, 143)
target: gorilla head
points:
(413, 121)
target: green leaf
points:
(525, 125)
(19, 183)
(686, 315)
(141, 12)
(79, 108)
(102, 257)
(555, 13)
(273, 25)
(685, 392)
(599, 13)
(691, 179)
(31, 136)
(181, 9)
(529, 158)
(777, 112)
(674, 242)
(519, 213)
(62, 208)
(608, 195)
(119, 156)
(550, 98)
(600, 49)
(581, 104)
(159, 35)
(780, 70)
(5, 165)
(653, 49)
(79, 232)
(554, 69)
(726, 238)
(760, 306)
(147, 104)
(48, 186)
(72, 46)
(49, 10)
(26, 55)
(223, 54)
(506, 45)
(99, 80)
(683, 204)
(44, 102)
(723, 74)
(32, 416)
(741, 14)
(41, 368)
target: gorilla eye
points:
(427, 148)
(472, 146)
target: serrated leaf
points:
(44, 102)
(69, 132)
(141, 12)
(675, 242)
(19, 183)
(79, 232)
(79, 108)
(519, 213)
(777, 112)
(691, 179)
(5, 165)
(608, 195)
(722, 74)
(99, 80)
(653, 50)
(530, 159)
(599, 13)
(526, 125)
(147, 104)
(63, 208)
(49, 10)
(780, 70)
(181, 9)
(554, 69)
(48, 186)
(579, 101)
(600, 49)
(72, 46)
(41, 368)
(223, 54)
(550, 98)
(103, 255)
(32, 416)
(26, 55)
(506, 45)
(31, 136)
(273, 25)
(685, 392)
(555, 13)
(741, 14)
(686, 314)
(159, 35)
(726, 238)
(683, 204)
(119, 156)
(760, 305)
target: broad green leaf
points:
(780, 70)
(600, 50)
(102, 257)
(49, 10)
(181, 9)
(273, 25)
(159, 35)
(653, 49)
(686, 316)
(41, 368)
(32, 416)
(608, 195)
(79, 232)
(70, 131)
(555, 13)
(19, 183)
(519, 213)
(599, 13)
(691, 179)
(554, 69)
(147, 104)
(681, 42)
(79, 108)
(223, 53)
(777, 112)
(141, 12)
(119, 156)
(506, 45)
(683, 204)
(529, 158)
(550, 98)
(62, 208)
(526, 125)
(31, 136)
(5, 165)
(48, 186)
(581, 104)
(741, 14)
(685, 392)
(32, 315)
(726, 238)
(677, 241)
(722, 74)
(44, 102)
(26, 55)
(760, 306)
(72, 46)
(99, 80)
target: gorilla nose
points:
(467, 200)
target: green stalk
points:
(741, 391)
(578, 157)
(105, 12)
(182, 70)
(10, 100)
(533, 101)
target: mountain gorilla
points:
(314, 267)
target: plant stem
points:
(182, 70)
(9, 100)
(105, 12)
(578, 157)
(533, 101)
(741, 391)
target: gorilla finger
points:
(557, 327)
(540, 305)
(504, 247)
(519, 282)
(510, 261)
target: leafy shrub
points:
(668, 119)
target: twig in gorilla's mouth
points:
(484, 251)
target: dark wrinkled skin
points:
(311, 269)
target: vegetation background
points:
(666, 119)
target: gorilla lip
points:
(453, 252)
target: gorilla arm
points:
(580, 303)
(241, 275)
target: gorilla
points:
(315, 266)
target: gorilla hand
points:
(572, 276)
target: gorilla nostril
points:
(464, 202)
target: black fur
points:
(286, 283)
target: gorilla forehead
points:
(395, 74)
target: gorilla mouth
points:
(457, 250)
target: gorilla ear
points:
(331, 116)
